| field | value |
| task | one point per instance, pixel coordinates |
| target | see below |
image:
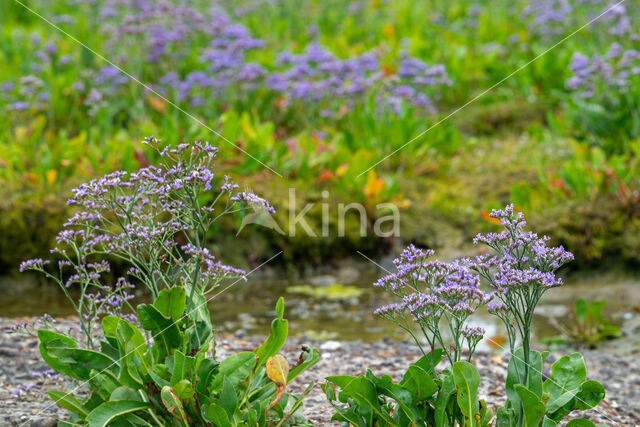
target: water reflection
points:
(317, 311)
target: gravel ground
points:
(23, 401)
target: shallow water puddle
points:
(339, 305)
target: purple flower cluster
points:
(553, 17)
(521, 270)
(224, 67)
(430, 291)
(140, 217)
(522, 261)
(615, 69)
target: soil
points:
(23, 399)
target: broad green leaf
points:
(134, 358)
(444, 395)
(216, 414)
(182, 367)
(207, 371)
(105, 383)
(419, 383)
(236, 367)
(166, 335)
(580, 422)
(505, 417)
(591, 393)
(49, 340)
(515, 375)
(183, 390)
(125, 393)
(467, 380)
(580, 310)
(567, 375)
(403, 397)
(171, 302)
(160, 375)
(430, 360)
(109, 411)
(228, 398)
(68, 402)
(277, 337)
(532, 406)
(362, 390)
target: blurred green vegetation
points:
(571, 162)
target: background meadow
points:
(320, 91)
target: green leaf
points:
(402, 396)
(183, 390)
(216, 414)
(125, 393)
(68, 402)
(105, 383)
(430, 360)
(276, 339)
(49, 340)
(467, 380)
(419, 383)
(532, 406)
(133, 354)
(173, 404)
(580, 422)
(567, 375)
(361, 390)
(166, 335)
(182, 366)
(160, 375)
(442, 401)
(207, 371)
(515, 375)
(505, 417)
(548, 422)
(228, 398)
(580, 310)
(591, 393)
(236, 367)
(109, 411)
(171, 302)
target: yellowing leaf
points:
(324, 176)
(21, 133)
(373, 186)
(278, 369)
(157, 103)
(342, 169)
(248, 129)
(51, 176)
(489, 218)
(388, 30)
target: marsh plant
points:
(155, 364)
(436, 301)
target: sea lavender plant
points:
(154, 221)
(433, 293)
(521, 271)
